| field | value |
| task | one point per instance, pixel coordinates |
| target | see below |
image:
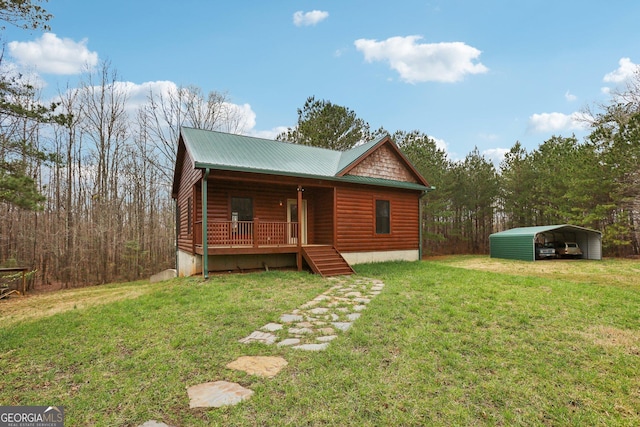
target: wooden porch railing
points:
(248, 233)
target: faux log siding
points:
(323, 217)
(188, 178)
(383, 163)
(356, 220)
(266, 200)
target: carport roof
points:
(532, 231)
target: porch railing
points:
(248, 233)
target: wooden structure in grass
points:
(5, 290)
(244, 203)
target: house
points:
(252, 203)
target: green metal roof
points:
(224, 151)
(532, 231)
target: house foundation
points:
(190, 265)
(380, 256)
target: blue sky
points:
(468, 73)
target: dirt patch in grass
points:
(36, 306)
(607, 336)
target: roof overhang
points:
(352, 179)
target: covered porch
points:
(238, 219)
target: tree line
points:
(85, 182)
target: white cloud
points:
(422, 62)
(11, 70)
(53, 55)
(138, 94)
(304, 19)
(441, 144)
(569, 96)
(268, 134)
(239, 117)
(495, 155)
(555, 122)
(625, 71)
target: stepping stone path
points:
(314, 324)
(310, 327)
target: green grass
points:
(443, 344)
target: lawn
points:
(451, 341)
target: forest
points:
(85, 180)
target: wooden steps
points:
(326, 261)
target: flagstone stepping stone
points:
(264, 366)
(305, 325)
(154, 423)
(300, 331)
(343, 326)
(353, 316)
(309, 304)
(289, 341)
(312, 347)
(326, 331)
(353, 294)
(359, 307)
(257, 336)
(289, 318)
(272, 327)
(363, 300)
(327, 338)
(319, 310)
(217, 394)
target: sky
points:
(471, 74)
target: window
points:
(383, 224)
(241, 209)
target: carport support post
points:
(205, 246)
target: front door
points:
(292, 218)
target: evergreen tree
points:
(18, 109)
(327, 125)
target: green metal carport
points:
(519, 243)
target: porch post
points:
(205, 245)
(299, 259)
(254, 235)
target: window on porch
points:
(241, 209)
